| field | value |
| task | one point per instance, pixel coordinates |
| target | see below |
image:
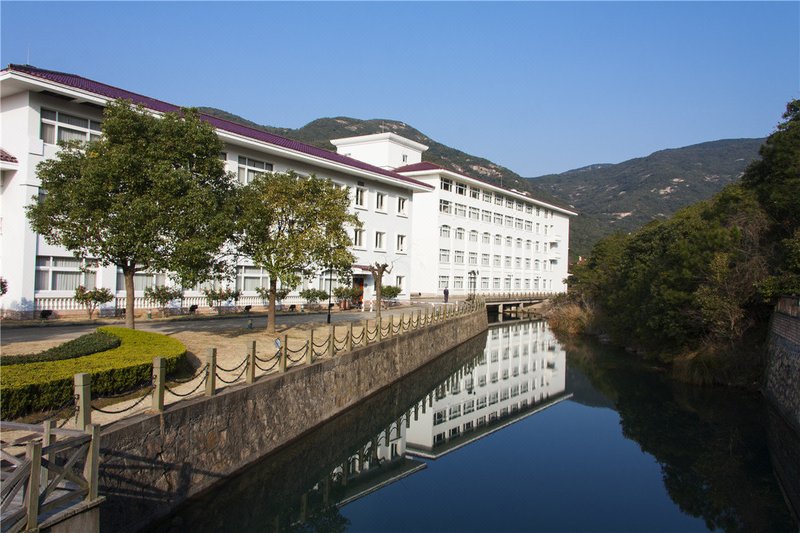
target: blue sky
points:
(537, 87)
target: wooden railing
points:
(49, 475)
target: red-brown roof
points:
(5, 156)
(109, 91)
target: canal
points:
(514, 431)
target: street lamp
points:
(330, 291)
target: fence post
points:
(379, 326)
(310, 352)
(251, 363)
(83, 397)
(158, 380)
(211, 371)
(350, 337)
(47, 440)
(366, 327)
(391, 326)
(33, 452)
(92, 465)
(284, 354)
(331, 343)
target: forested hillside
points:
(695, 290)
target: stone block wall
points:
(151, 463)
(782, 383)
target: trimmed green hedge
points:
(33, 387)
(88, 344)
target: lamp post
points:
(330, 291)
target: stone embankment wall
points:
(151, 463)
(782, 383)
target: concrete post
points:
(332, 342)
(310, 352)
(349, 347)
(33, 453)
(83, 398)
(211, 371)
(391, 326)
(159, 378)
(284, 354)
(251, 363)
(91, 468)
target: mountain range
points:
(609, 197)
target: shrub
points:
(91, 299)
(84, 345)
(48, 385)
(161, 295)
(313, 296)
(390, 292)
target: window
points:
(473, 236)
(401, 243)
(485, 260)
(509, 240)
(445, 207)
(528, 244)
(460, 234)
(484, 283)
(519, 206)
(518, 223)
(518, 263)
(63, 274)
(498, 239)
(379, 201)
(528, 225)
(249, 278)
(401, 206)
(439, 417)
(519, 243)
(458, 257)
(509, 203)
(474, 213)
(358, 238)
(458, 282)
(57, 126)
(486, 238)
(469, 406)
(473, 258)
(141, 280)
(444, 282)
(528, 209)
(379, 240)
(461, 189)
(405, 158)
(498, 219)
(495, 283)
(507, 284)
(498, 200)
(461, 210)
(361, 197)
(250, 168)
(474, 193)
(400, 281)
(446, 184)
(444, 231)
(509, 221)
(496, 262)
(444, 255)
(486, 216)
(527, 263)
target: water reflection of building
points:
(521, 371)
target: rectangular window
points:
(518, 224)
(400, 281)
(63, 274)
(401, 243)
(495, 283)
(446, 184)
(474, 213)
(444, 282)
(361, 197)
(250, 168)
(486, 216)
(401, 206)
(484, 283)
(461, 189)
(379, 201)
(509, 221)
(358, 238)
(528, 225)
(458, 257)
(486, 238)
(507, 261)
(473, 236)
(509, 203)
(498, 240)
(439, 417)
(528, 209)
(474, 193)
(487, 196)
(460, 234)
(509, 241)
(461, 210)
(498, 200)
(458, 282)
(496, 261)
(498, 219)
(485, 260)
(57, 126)
(379, 240)
(444, 231)
(444, 255)
(445, 207)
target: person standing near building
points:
(446, 294)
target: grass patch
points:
(99, 341)
(41, 386)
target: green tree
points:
(149, 195)
(377, 270)
(290, 225)
(91, 299)
(390, 292)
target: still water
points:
(514, 431)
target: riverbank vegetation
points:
(696, 291)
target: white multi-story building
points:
(471, 236)
(522, 369)
(41, 107)
(436, 228)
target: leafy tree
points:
(289, 224)
(161, 295)
(313, 296)
(216, 297)
(377, 270)
(91, 299)
(150, 194)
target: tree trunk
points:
(273, 287)
(378, 275)
(128, 272)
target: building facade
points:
(401, 201)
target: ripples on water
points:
(513, 431)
